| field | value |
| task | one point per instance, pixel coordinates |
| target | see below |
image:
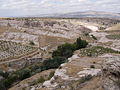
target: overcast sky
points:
(36, 7)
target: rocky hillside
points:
(111, 72)
(43, 54)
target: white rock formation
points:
(93, 28)
(111, 73)
(86, 72)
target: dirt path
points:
(26, 56)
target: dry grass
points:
(115, 27)
(3, 29)
(53, 41)
(79, 64)
(30, 81)
(93, 84)
(8, 29)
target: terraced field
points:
(13, 50)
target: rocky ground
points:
(92, 68)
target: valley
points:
(49, 53)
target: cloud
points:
(35, 7)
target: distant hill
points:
(84, 14)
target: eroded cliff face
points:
(111, 73)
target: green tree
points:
(80, 43)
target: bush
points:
(67, 53)
(2, 87)
(92, 66)
(93, 37)
(8, 82)
(32, 43)
(80, 43)
(66, 50)
(23, 74)
(51, 75)
(52, 63)
(41, 80)
(4, 74)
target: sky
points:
(37, 7)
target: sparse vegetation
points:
(40, 80)
(32, 43)
(113, 36)
(92, 66)
(80, 43)
(93, 37)
(66, 50)
(51, 75)
(96, 51)
(3, 74)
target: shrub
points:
(2, 87)
(66, 50)
(52, 63)
(41, 80)
(51, 75)
(32, 43)
(8, 82)
(4, 74)
(92, 66)
(80, 43)
(23, 74)
(93, 37)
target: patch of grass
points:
(96, 51)
(41, 79)
(51, 75)
(113, 36)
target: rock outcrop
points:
(111, 73)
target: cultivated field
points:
(12, 50)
